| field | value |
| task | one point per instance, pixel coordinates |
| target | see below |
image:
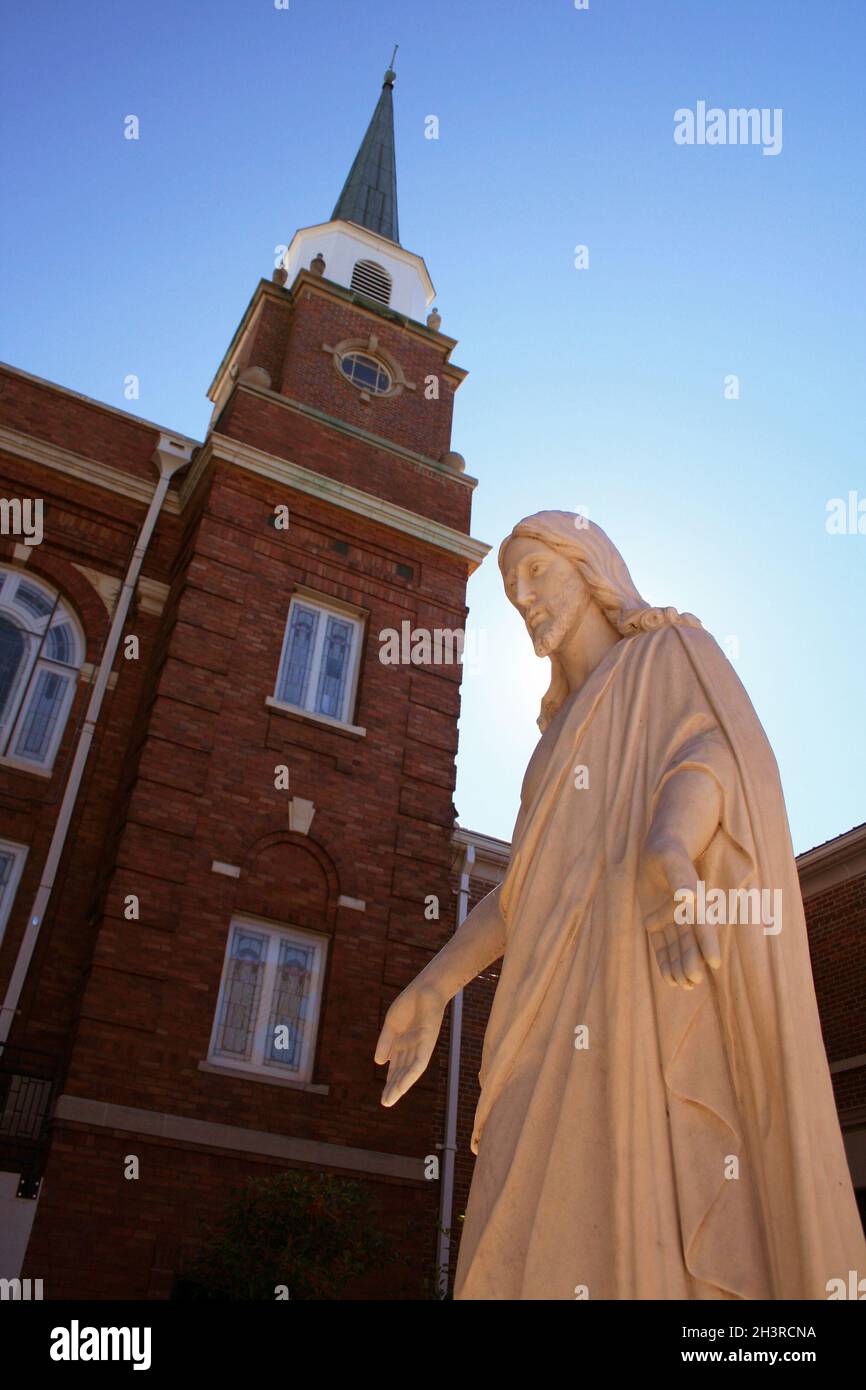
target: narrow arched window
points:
(373, 280)
(41, 651)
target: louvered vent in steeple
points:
(371, 279)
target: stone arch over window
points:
(373, 280)
(289, 878)
(41, 651)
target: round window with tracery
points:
(366, 373)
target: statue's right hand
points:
(408, 1038)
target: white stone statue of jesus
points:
(656, 1117)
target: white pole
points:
(452, 1095)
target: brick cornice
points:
(352, 499)
(836, 862)
(491, 855)
(849, 1063)
(86, 470)
(378, 441)
(343, 495)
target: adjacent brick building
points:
(833, 882)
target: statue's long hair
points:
(606, 575)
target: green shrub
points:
(311, 1232)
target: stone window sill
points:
(21, 765)
(219, 1070)
(295, 711)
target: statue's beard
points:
(549, 637)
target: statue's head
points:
(554, 566)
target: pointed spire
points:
(369, 195)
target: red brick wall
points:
(309, 374)
(205, 790)
(85, 427)
(85, 526)
(269, 335)
(836, 920)
(268, 424)
(182, 774)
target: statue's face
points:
(547, 590)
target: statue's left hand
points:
(408, 1037)
(687, 815)
(667, 882)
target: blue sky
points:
(601, 388)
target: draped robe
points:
(692, 1150)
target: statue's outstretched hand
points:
(667, 890)
(408, 1038)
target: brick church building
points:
(227, 823)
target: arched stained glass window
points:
(41, 650)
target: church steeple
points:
(369, 196)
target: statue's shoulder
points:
(686, 653)
(680, 629)
(672, 642)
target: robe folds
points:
(692, 1149)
